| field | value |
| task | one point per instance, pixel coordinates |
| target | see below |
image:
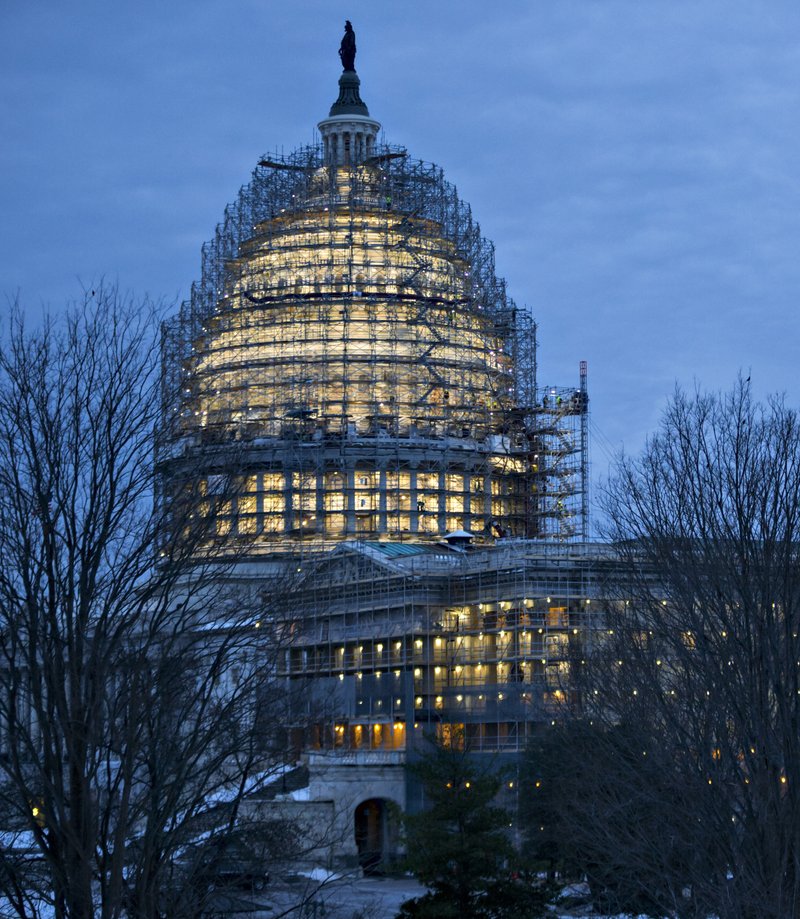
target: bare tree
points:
(604, 803)
(138, 707)
(698, 666)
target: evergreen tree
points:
(459, 845)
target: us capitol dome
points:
(351, 352)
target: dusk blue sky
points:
(636, 162)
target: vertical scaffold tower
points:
(351, 353)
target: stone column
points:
(382, 521)
(320, 502)
(442, 503)
(350, 497)
(467, 502)
(413, 512)
(288, 494)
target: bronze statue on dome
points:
(347, 49)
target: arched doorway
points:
(375, 836)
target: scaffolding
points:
(393, 641)
(349, 338)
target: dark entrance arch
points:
(374, 835)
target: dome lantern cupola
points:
(348, 133)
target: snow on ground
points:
(321, 875)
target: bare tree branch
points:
(698, 665)
(138, 706)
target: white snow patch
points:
(320, 875)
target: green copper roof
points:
(397, 549)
